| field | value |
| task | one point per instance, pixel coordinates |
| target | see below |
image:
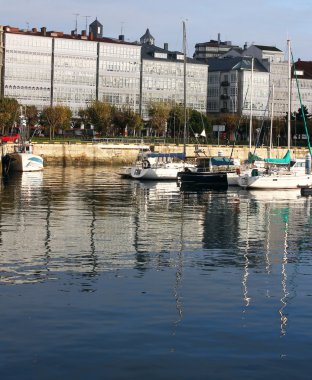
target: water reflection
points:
(86, 222)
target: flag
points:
(203, 133)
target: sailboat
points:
(274, 177)
(22, 158)
(165, 166)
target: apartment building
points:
(236, 83)
(213, 49)
(302, 72)
(163, 79)
(43, 68)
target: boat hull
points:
(202, 180)
(23, 162)
(163, 171)
(160, 173)
(286, 181)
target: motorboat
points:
(22, 159)
(217, 171)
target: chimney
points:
(219, 38)
(245, 46)
(91, 36)
(165, 46)
(34, 30)
(44, 31)
(84, 33)
(121, 37)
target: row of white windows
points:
(18, 42)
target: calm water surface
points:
(107, 278)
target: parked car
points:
(15, 137)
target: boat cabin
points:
(23, 148)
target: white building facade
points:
(235, 87)
(49, 68)
(163, 80)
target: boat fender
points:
(146, 164)
(254, 173)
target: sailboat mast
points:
(251, 101)
(272, 118)
(289, 96)
(184, 87)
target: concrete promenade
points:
(122, 154)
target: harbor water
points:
(110, 278)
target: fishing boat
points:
(22, 159)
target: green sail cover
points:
(253, 157)
(281, 161)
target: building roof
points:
(147, 38)
(55, 34)
(95, 23)
(148, 52)
(236, 63)
(303, 69)
(268, 48)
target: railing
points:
(127, 141)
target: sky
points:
(264, 22)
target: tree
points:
(159, 113)
(57, 117)
(9, 108)
(176, 121)
(300, 116)
(126, 120)
(100, 114)
(32, 115)
(197, 122)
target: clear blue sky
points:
(265, 22)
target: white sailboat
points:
(165, 166)
(274, 177)
(22, 158)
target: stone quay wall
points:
(66, 154)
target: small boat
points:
(22, 159)
(211, 172)
(160, 166)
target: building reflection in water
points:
(87, 224)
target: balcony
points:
(225, 83)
